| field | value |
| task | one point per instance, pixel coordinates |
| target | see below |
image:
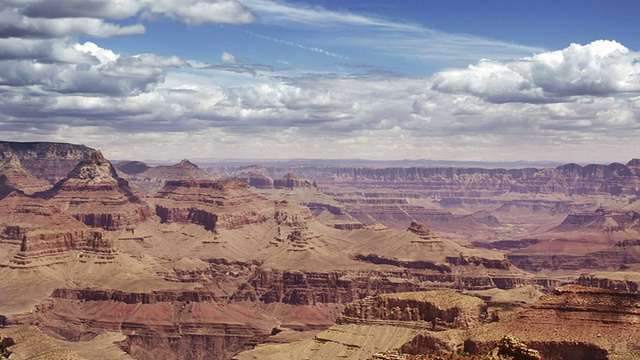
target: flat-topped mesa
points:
(223, 203)
(46, 160)
(291, 181)
(434, 310)
(256, 180)
(95, 194)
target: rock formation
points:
(150, 179)
(43, 235)
(219, 266)
(97, 196)
(212, 204)
(435, 310)
(290, 181)
(47, 161)
(14, 177)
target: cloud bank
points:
(580, 103)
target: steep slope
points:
(35, 233)
(14, 177)
(97, 196)
(418, 247)
(46, 160)
(152, 179)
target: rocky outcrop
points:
(435, 310)
(47, 161)
(154, 178)
(159, 324)
(13, 177)
(312, 287)
(255, 180)
(292, 181)
(607, 259)
(95, 194)
(225, 203)
(41, 248)
(572, 323)
(601, 282)
(28, 342)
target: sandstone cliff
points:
(227, 204)
(14, 177)
(46, 160)
(97, 196)
(150, 179)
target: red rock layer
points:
(225, 203)
(47, 161)
(97, 196)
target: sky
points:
(490, 80)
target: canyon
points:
(221, 261)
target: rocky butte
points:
(278, 261)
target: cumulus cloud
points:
(13, 24)
(188, 11)
(83, 68)
(228, 58)
(597, 69)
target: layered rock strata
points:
(43, 235)
(47, 161)
(150, 179)
(344, 286)
(13, 177)
(95, 194)
(571, 323)
(442, 309)
(211, 204)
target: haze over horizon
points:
(495, 81)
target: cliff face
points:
(613, 179)
(43, 235)
(40, 248)
(308, 288)
(225, 203)
(47, 161)
(460, 182)
(435, 310)
(95, 194)
(291, 181)
(160, 324)
(14, 177)
(150, 179)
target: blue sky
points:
(458, 80)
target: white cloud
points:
(385, 37)
(13, 24)
(38, 14)
(81, 68)
(598, 69)
(227, 58)
(196, 12)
